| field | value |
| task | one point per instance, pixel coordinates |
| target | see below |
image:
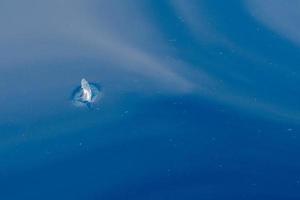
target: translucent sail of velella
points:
(86, 91)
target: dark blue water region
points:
(168, 148)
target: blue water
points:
(199, 100)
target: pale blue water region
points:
(195, 100)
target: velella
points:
(87, 94)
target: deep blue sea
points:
(198, 100)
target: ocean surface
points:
(199, 100)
